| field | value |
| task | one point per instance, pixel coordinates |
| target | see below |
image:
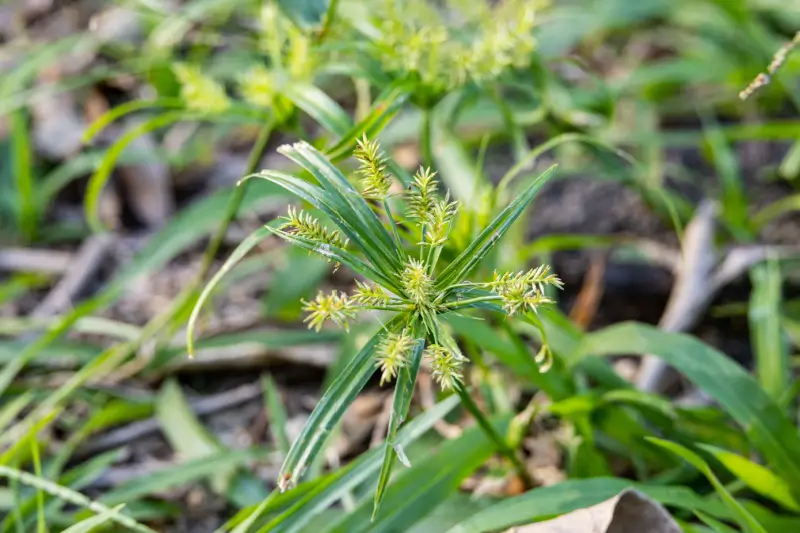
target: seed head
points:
(200, 92)
(392, 355)
(334, 306)
(370, 294)
(445, 366)
(422, 195)
(524, 290)
(374, 178)
(416, 281)
(304, 225)
(257, 86)
(438, 222)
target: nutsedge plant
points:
(398, 255)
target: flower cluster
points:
(304, 225)
(200, 92)
(445, 366)
(393, 354)
(375, 180)
(334, 306)
(437, 223)
(422, 195)
(523, 290)
(370, 295)
(423, 40)
(395, 351)
(417, 282)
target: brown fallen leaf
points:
(628, 512)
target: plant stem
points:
(426, 141)
(236, 200)
(500, 442)
(477, 299)
(392, 222)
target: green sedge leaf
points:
(339, 187)
(315, 496)
(334, 253)
(466, 262)
(337, 211)
(330, 408)
(127, 108)
(320, 107)
(385, 107)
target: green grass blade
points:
(23, 175)
(734, 201)
(755, 476)
(91, 524)
(98, 180)
(420, 489)
(776, 209)
(248, 522)
(765, 424)
(244, 247)
(12, 408)
(320, 107)
(403, 391)
(764, 314)
(466, 262)
(716, 525)
(743, 517)
(127, 108)
(72, 497)
(528, 159)
(330, 408)
(41, 524)
(276, 414)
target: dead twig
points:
(699, 278)
(84, 266)
(33, 260)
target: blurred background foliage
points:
(672, 218)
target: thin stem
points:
(426, 139)
(468, 301)
(500, 442)
(236, 200)
(392, 222)
(329, 16)
(386, 307)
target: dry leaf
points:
(628, 512)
